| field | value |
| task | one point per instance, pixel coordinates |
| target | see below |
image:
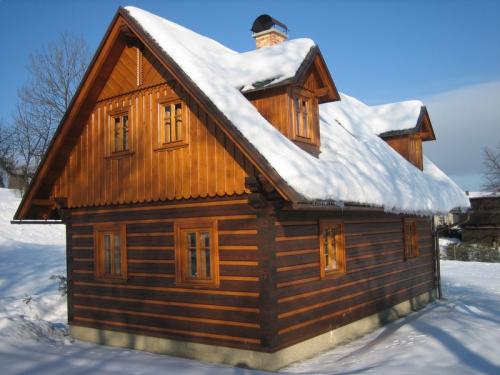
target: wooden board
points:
(209, 165)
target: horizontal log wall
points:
(377, 276)
(150, 302)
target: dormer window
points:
(304, 119)
(303, 115)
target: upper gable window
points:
(173, 130)
(120, 127)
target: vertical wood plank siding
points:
(210, 165)
(377, 275)
(150, 302)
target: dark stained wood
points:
(151, 298)
(376, 276)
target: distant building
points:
(484, 222)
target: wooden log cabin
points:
(234, 207)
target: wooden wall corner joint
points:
(268, 296)
(257, 200)
(253, 184)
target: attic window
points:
(120, 128)
(172, 129)
(301, 105)
(304, 116)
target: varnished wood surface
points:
(408, 146)
(151, 301)
(271, 294)
(377, 275)
(210, 165)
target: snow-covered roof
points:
(386, 117)
(484, 194)
(355, 165)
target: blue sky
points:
(378, 51)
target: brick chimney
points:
(268, 31)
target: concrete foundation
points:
(249, 358)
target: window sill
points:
(170, 146)
(120, 154)
(111, 280)
(197, 284)
(333, 274)
(411, 259)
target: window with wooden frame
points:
(120, 131)
(304, 115)
(172, 130)
(332, 247)
(110, 252)
(410, 238)
(196, 253)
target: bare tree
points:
(491, 172)
(6, 152)
(55, 73)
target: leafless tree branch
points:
(55, 73)
(491, 174)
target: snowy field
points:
(458, 335)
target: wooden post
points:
(69, 265)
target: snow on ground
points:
(458, 335)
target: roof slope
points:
(355, 166)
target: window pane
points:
(167, 119)
(332, 247)
(305, 122)
(107, 254)
(325, 248)
(297, 115)
(117, 133)
(178, 122)
(191, 255)
(125, 132)
(205, 254)
(117, 255)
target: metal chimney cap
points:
(265, 22)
